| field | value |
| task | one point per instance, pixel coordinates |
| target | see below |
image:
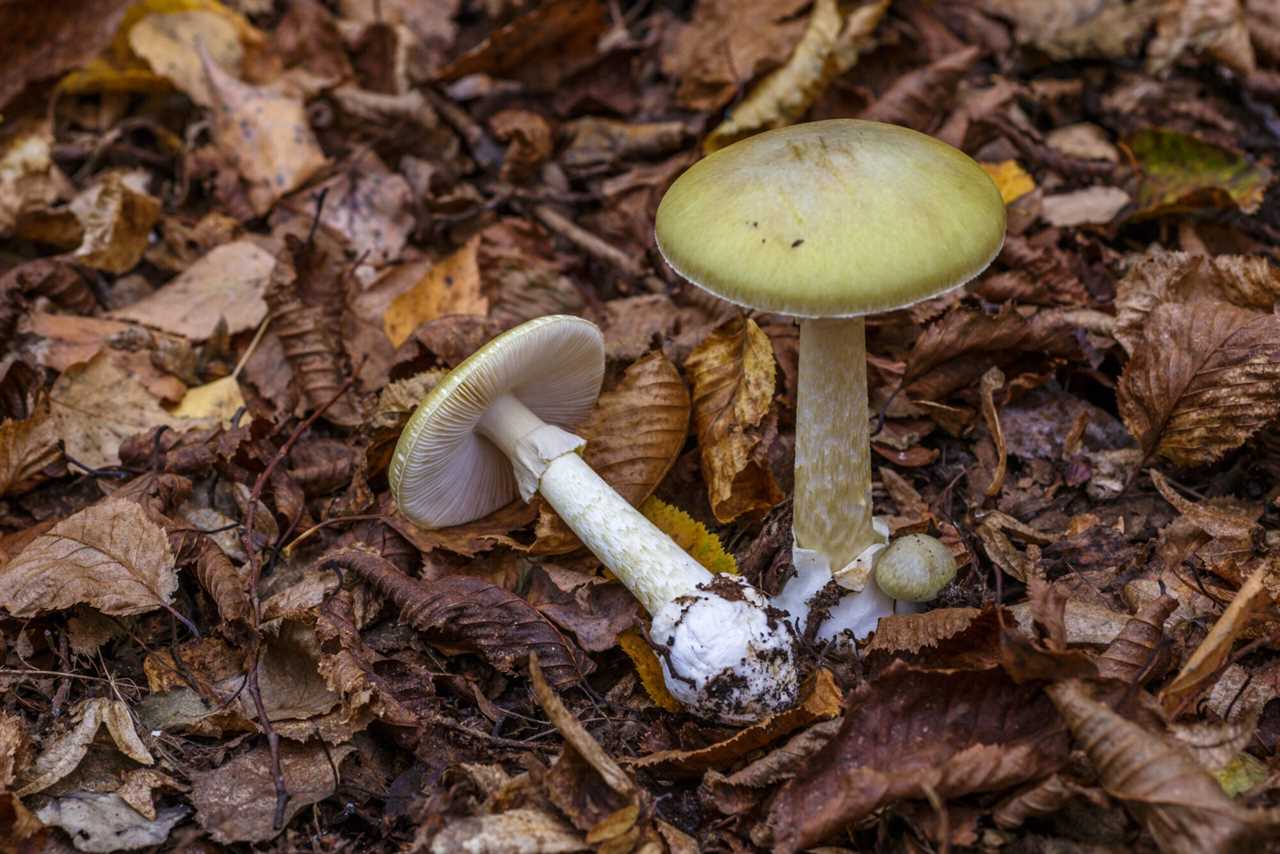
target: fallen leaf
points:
(1215, 27)
(820, 699)
(26, 448)
(44, 40)
(217, 401)
(60, 755)
(451, 286)
(1204, 378)
(726, 44)
(1213, 652)
(732, 373)
(226, 284)
(1213, 521)
(106, 822)
(1138, 654)
(992, 381)
(829, 48)
(634, 435)
(264, 136)
(1248, 281)
(1181, 173)
(909, 732)
(29, 179)
(917, 99)
(469, 613)
(15, 749)
(235, 802)
(512, 830)
(690, 534)
(116, 217)
(170, 43)
(1013, 181)
(1068, 29)
(1175, 800)
(1090, 206)
(96, 406)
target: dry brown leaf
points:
(1248, 281)
(236, 801)
(264, 135)
(26, 448)
(919, 99)
(952, 732)
(732, 373)
(43, 40)
(110, 556)
(1213, 521)
(1070, 29)
(97, 406)
(116, 216)
(512, 830)
(29, 180)
(104, 821)
(726, 44)
(1090, 206)
(61, 755)
(1215, 27)
(1138, 655)
(829, 48)
(451, 286)
(634, 435)
(1213, 652)
(993, 381)
(15, 749)
(1204, 378)
(170, 43)
(226, 586)
(226, 284)
(820, 699)
(1175, 799)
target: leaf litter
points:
(243, 239)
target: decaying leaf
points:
(26, 447)
(513, 830)
(829, 47)
(1068, 29)
(451, 286)
(634, 435)
(1182, 173)
(1216, 27)
(909, 732)
(226, 284)
(236, 802)
(469, 613)
(264, 135)
(1176, 800)
(110, 556)
(732, 373)
(1204, 378)
(1212, 653)
(43, 40)
(104, 821)
(916, 98)
(61, 755)
(1013, 181)
(116, 217)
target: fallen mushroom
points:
(829, 221)
(494, 428)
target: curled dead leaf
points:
(733, 374)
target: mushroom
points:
(829, 221)
(494, 429)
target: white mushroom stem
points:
(544, 457)
(834, 534)
(725, 652)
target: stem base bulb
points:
(726, 653)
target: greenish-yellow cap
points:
(832, 219)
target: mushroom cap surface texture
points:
(835, 218)
(443, 471)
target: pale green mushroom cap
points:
(832, 219)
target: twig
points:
(588, 242)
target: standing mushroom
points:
(829, 221)
(493, 428)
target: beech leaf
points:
(733, 377)
(1203, 379)
(109, 556)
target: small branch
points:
(588, 242)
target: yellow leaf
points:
(450, 287)
(219, 399)
(829, 47)
(648, 669)
(1013, 182)
(690, 535)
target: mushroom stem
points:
(644, 559)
